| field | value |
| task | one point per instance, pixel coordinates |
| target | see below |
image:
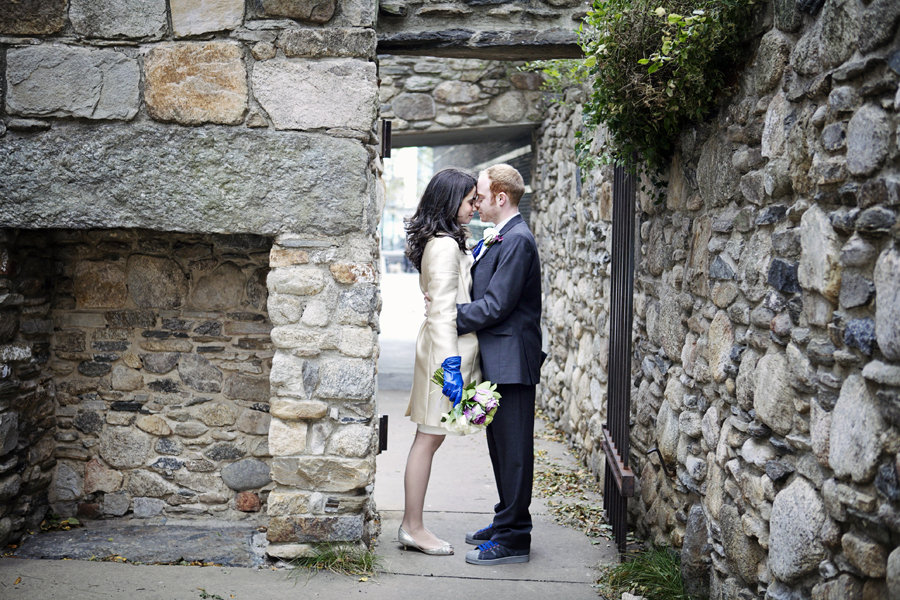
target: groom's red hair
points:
(505, 178)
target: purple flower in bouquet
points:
(482, 396)
(475, 414)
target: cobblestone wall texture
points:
(766, 367)
(440, 94)
(27, 403)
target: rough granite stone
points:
(795, 542)
(869, 140)
(33, 17)
(50, 80)
(331, 42)
(887, 302)
(260, 181)
(192, 83)
(856, 430)
(313, 11)
(773, 397)
(819, 267)
(246, 474)
(123, 447)
(193, 17)
(326, 93)
(119, 18)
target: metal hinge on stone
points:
(382, 433)
(385, 138)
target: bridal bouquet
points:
(476, 410)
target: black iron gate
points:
(618, 484)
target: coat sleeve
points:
(504, 289)
(440, 264)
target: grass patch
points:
(342, 559)
(654, 573)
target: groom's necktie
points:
(477, 249)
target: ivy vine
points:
(652, 68)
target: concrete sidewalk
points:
(460, 498)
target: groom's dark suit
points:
(506, 314)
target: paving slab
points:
(230, 544)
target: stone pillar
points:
(323, 302)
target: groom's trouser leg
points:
(511, 446)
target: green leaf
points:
(653, 68)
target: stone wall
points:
(766, 367)
(500, 29)
(433, 96)
(188, 115)
(160, 357)
(229, 117)
(27, 402)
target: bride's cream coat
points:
(446, 277)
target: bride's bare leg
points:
(415, 484)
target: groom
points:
(506, 314)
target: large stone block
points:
(253, 181)
(282, 502)
(773, 395)
(289, 375)
(287, 438)
(347, 378)
(55, 80)
(123, 447)
(156, 282)
(352, 440)
(32, 17)
(193, 83)
(331, 42)
(820, 267)
(887, 303)
(119, 18)
(246, 474)
(100, 284)
(324, 474)
(328, 93)
(830, 41)
(218, 289)
(856, 430)
(869, 140)
(297, 281)
(192, 17)
(343, 528)
(743, 552)
(313, 11)
(795, 531)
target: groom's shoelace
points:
(484, 529)
(488, 545)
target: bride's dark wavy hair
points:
(437, 213)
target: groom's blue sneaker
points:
(492, 553)
(482, 535)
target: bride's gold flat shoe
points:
(407, 541)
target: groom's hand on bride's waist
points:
(427, 304)
(453, 382)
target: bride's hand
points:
(427, 303)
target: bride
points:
(436, 245)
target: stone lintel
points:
(490, 45)
(249, 181)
